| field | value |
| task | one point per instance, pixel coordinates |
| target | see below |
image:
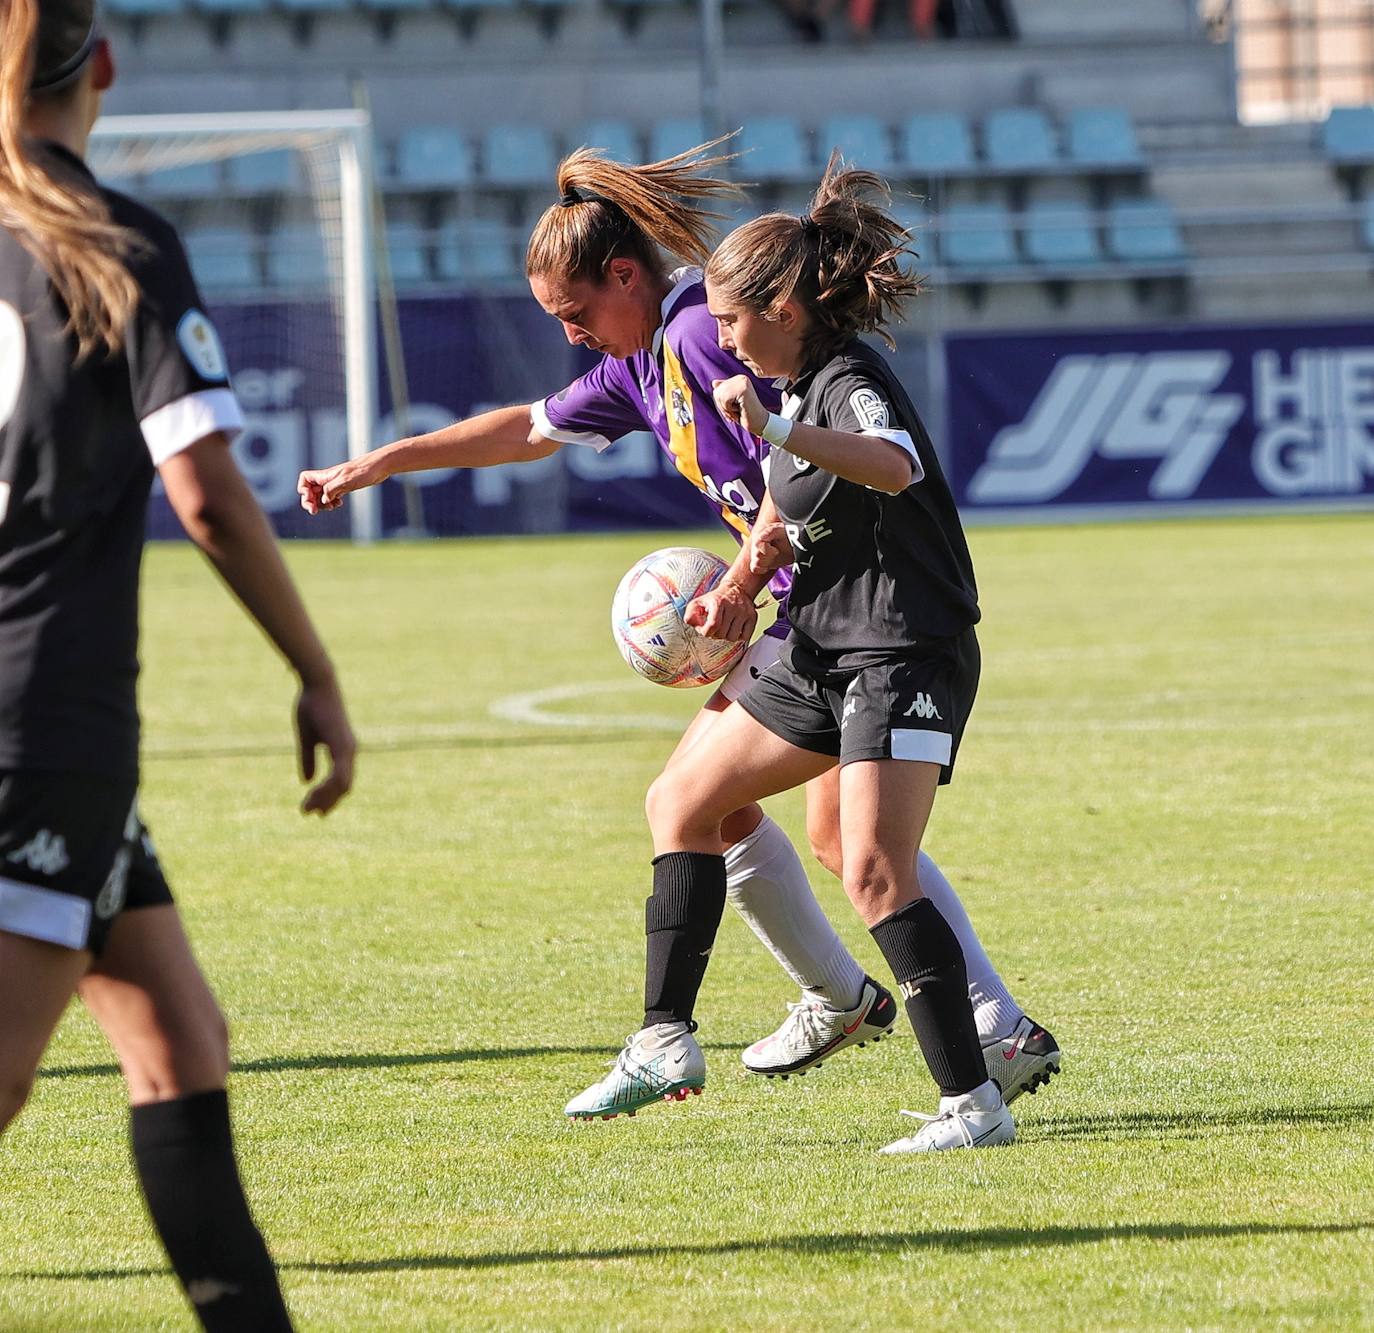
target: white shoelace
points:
(958, 1117)
(805, 1014)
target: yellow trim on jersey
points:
(680, 411)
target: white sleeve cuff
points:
(902, 439)
(539, 418)
(179, 425)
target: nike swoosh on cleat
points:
(1015, 1046)
(851, 1028)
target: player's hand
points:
(325, 488)
(769, 548)
(726, 612)
(737, 400)
(322, 720)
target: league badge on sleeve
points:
(198, 340)
(869, 408)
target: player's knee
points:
(825, 847)
(195, 1054)
(869, 879)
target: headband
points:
(65, 43)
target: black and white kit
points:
(79, 445)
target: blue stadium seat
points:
(775, 148)
(475, 251)
(144, 8)
(1103, 137)
(977, 236)
(223, 258)
(1144, 231)
(676, 135)
(1062, 234)
(400, 4)
(936, 143)
(862, 140)
(233, 6)
(1019, 139)
(433, 157)
(517, 155)
(613, 137)
(272, 172)
(1347, 134)
(296, 258)
(314, 6)
(1367, 221)
(196, 180)
(406, 247)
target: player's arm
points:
(729, 610)
(504, 435)
(223, 518)
(869, 459)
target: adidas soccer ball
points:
(646, 619)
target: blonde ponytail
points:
(607, 210)
(57, 216)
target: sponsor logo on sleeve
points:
(869, 408)
(12, 356)
(197, 338)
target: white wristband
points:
(776, 430)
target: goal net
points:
(275, 209)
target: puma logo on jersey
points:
(45, 853)
(923, 707)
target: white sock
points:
(994, 1009)
(767, 886)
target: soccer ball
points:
(646, 618)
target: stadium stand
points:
(1103, 146)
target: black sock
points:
(184, 1152)
(681, 919)
(926, 959)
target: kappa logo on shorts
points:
(923, 707)
(45, 853)
(111, 897)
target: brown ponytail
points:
(842, 261)
(59, 219)
(610, 211)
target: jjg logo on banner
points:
(1255, 419)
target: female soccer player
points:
(595, 263)
(109, 371)
(879, 671)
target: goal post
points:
(336, 149)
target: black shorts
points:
(903, 708)
(73, 855)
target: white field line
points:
(533, 709)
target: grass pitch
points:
(1161, 824)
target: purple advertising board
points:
(1223, 416)
(462, 356)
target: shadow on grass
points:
(276, 1064)
(405, 744)
(1195, 1122)
(848, 1244)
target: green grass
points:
(1161, 823)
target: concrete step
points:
(1299, 184)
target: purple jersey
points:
(667, 390)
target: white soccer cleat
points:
(659, 1063)
(978, 1119)
(813, 1030)
(1023, 1060)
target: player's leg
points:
(736, 762)
(1019, 1054)
(884, 807)
(37, 980)
(147, 993)
(765, 881)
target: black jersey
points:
(875, 575)
(78, 449)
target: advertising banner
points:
(463, 355)
(1221, 416)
